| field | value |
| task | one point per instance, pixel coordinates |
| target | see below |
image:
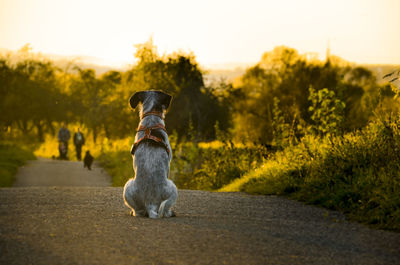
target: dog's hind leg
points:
(152, 211)
(129, 199)
(171, 193)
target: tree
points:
(281, 129)
(98, 100)
(286, 75)
(32, 95)
(180, 76)
(327, 112)
(6, 79)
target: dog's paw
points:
(170, 213)
(153, 215)
(132, 213)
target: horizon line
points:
(122, 64)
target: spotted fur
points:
(151, 193)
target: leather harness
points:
(156, 113)
(147, 134)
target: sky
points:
(218, 32)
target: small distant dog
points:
(88, 160)
(151, 193)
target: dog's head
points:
(150, 101)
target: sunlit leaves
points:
(327, 111)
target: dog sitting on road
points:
(151, 193)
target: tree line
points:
(285, 94)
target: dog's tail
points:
(165, 207)
(161, 210)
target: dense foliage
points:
(38, 96)
(287, 76)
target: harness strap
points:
(148, 135)
(157, 126)
(156, 113)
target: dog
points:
(151, 193)
(88, 160)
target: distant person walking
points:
(79, 140)
(63, 138)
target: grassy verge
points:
(357, 174)
(11, 157)
(119, 165)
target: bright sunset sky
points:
(216, 31)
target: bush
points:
(119, 165)
(357, 174)
(210, 168)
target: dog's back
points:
(151, 193)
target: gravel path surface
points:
(90, 225)
(48, 172)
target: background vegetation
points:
(11, 158)
(325, 132)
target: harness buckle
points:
(148, 132)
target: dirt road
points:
(48, 172)
(90, 225)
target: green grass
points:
(357, 174)
(11, 158)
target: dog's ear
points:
(136, 98)
(165, 99)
